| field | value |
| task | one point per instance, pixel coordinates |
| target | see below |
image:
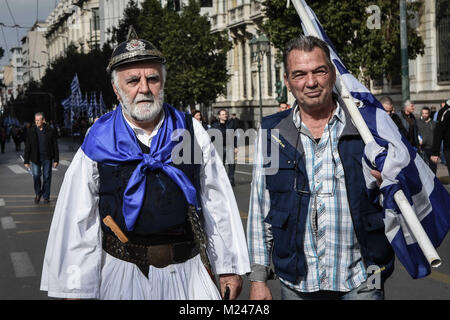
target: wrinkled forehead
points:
(140, 68)
(308, 59)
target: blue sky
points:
(24, 13)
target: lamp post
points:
(259, 47)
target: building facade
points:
(74, 22)
(16, 63)
(111, 12)
(34, 47)
(242, 20)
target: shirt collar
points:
(337, 115)
(141, 134)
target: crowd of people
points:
(429, 133)
(13, 131)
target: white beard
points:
(143, 112)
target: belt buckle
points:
(160, 256)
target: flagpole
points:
(402, 202)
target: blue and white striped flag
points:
(401, 168)
(87, 106)
(102, 104)
(92, 105)
(77, 98)
(75, 86)
(67, 103)
(96, 105)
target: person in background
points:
(283, 106)
(409, 122)
(442, 136)
(388, 106)
(426, 128)
(197, 114)
(227, 129)
(2, 138)
(41, 150)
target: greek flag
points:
(401, 168)
(102, 104)
(75, 86)
(96, 105)
(87, 106)
(92, 106)
(67, 104)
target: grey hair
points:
(307, 44)
(407, 103)
(39, 114)
(386, 99)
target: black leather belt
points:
(159, 256)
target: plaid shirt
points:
(331, 250)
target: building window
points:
(443, 39)
(174, 5)
(95, 19)
(206, 3)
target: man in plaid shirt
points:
(312, 218)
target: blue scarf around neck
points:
(112, 141)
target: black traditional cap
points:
(134, 50)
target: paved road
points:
(24, 231)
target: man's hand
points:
(435, 159)
(55, 164)
(27, 165)
(232, 281)
(377, 175)
(259, 291)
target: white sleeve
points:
(72, 262)
(227, 247)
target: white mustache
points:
(144, 98)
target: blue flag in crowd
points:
(96, 105)
(401, 168)
(102, 104)
(75, 86)
(67, 104)
(90, 111)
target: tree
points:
(197, 71)
(374, 51)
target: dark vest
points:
(163, 217)
(289, 208)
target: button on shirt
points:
(331, 250)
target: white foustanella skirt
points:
(122, 280)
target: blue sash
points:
(112, 141)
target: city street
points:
(25, 226)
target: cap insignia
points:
(134, 45)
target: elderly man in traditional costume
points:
(131, 221)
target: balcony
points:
(239, 16)
(218, 22)
(256, 10)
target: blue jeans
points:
(359, 293)
(46, 166)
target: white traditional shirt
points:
(75, 266)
